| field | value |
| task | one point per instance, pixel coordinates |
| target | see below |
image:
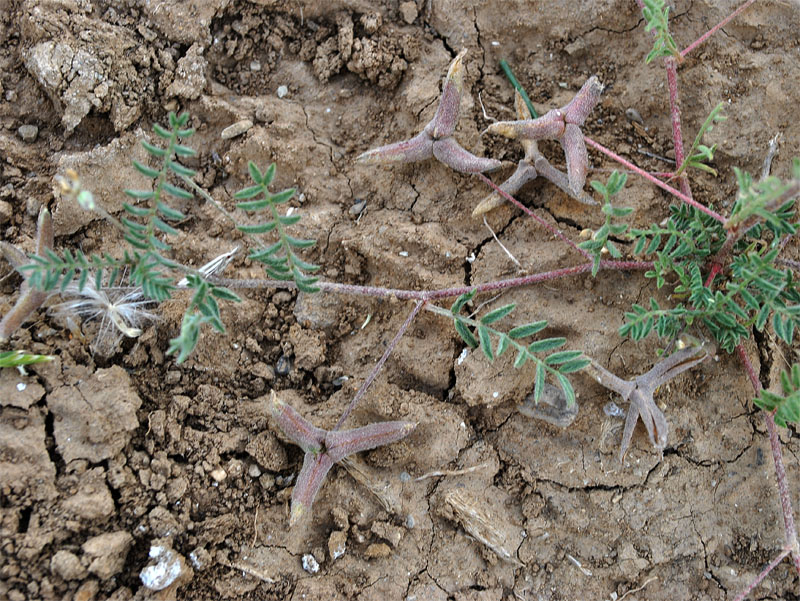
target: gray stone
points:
(28, 132)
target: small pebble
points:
(358, 207)
(237, 129)
(612, 410)
(282, 91)
(409, 12)
(310, 564)
(254, 471)
(410, 521)
(167, 569)
(28, 132)
(283, 366)
(633, 115)
(377, 551)
(218, 474)
(255, 66)
(337, 544)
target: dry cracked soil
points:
(109, 458)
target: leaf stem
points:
(375, 370)
(780, 471)
(688, 200)
(441, 293)
(716, 28)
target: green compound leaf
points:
(261, 228)
(465, 334)
(176, 191)
(527, 330)
(145, 170)
(569, 393)
(538, 381)
(486, 343)
(255, 174)
(562, 357)
(250, 192)
(546, 344)
(497, 314)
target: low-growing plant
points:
(725, 274)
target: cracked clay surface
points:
(480, 502)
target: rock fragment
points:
(107, 553)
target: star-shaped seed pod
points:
(323, 448)
(641, 389)
(563, 124)
(529, 168)
(436, 138)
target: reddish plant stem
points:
(675, 115)
(789, 263)
(714, 29)
(772, 564)
(553, 230)
(628, 165)
(424, 295)
(379, 365)
(780, 471)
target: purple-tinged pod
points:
(577, 157)
(446, 117)
(525, 172)
(30, 299)
(301, 431)
(450, 152)
(548, 126)
(341, 443)
(584, 101)
(418, 148)
(559, 178)
(312, 475)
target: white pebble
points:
(219, 474)
(164, 573)
(282, 92)
(237, 129)
(21, 386)
(310, 564)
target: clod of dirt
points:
(17, 390)
(92, 501)
(95, 419)
(377, 551)
(25, 466)
(337, 544)
(408, 10)
(184, 21)
(269, 453)
(309, 347)
(483, 383)
(69, 75)
(67, 566)
(190, 75)
(105, 167)
(107, 553)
